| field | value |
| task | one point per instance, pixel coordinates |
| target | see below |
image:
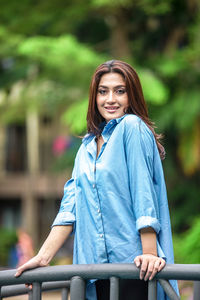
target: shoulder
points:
(87, 138)
(138, 135)
(131, 120)
(135, 125)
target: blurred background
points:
(48, 52)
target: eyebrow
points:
(115, 87)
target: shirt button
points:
(98, 210)
(101, 235)
(93, 186)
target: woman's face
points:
(112, 98)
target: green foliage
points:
(154, 89)
(75, 117)
(171, 66)
(184, 195)
(150, 7)
(9, 42)
(50, 18)
(111, 3)
(8, 239)
(155, 7)
(185, 118)
(64, 58)
(187, 245)
(58, 72)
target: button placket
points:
(99, 219)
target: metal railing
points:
(75, 276)
(20, 289)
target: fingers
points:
(150, 271)
(149, 265)
(29, 286)
(20, 270)
(153, 269)
(137, 261)
(32, 263)
(162, 264)
(143, 269)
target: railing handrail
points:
(100, 271)
(21, 289)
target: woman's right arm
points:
(52, 244)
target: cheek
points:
(126, 102)
(99, 102)
(98, 106)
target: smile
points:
(111, 109)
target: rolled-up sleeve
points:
(67, 211)
(140, 157)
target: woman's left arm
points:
(149, 262)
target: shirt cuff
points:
(64, 218)
(160, 251)
(146, 221)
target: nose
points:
(111, 98)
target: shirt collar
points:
(112, 122)
(107, 129)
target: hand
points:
(149, 265)
(36, 261)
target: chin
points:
(114, 116)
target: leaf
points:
(171, 66)
(75, 117)
(154, 89)
(188, 243)
(63, 58)
(189, 149)
(186, 108)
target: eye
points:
(102, 91)
(120, 91)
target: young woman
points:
(115, 202)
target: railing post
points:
(152, 289)
(30, 295)
(64, 293)
(77, 288)
(114, 288)
(36, 291)
(196, 289)
(168, 289)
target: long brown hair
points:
(137, 105)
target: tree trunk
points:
(119, 40)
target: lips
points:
(111, 109)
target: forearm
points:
(148, 239)
(53, 243)
(149, 262)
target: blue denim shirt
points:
(111, 197)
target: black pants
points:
(129, 289)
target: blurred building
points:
(29, 194)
